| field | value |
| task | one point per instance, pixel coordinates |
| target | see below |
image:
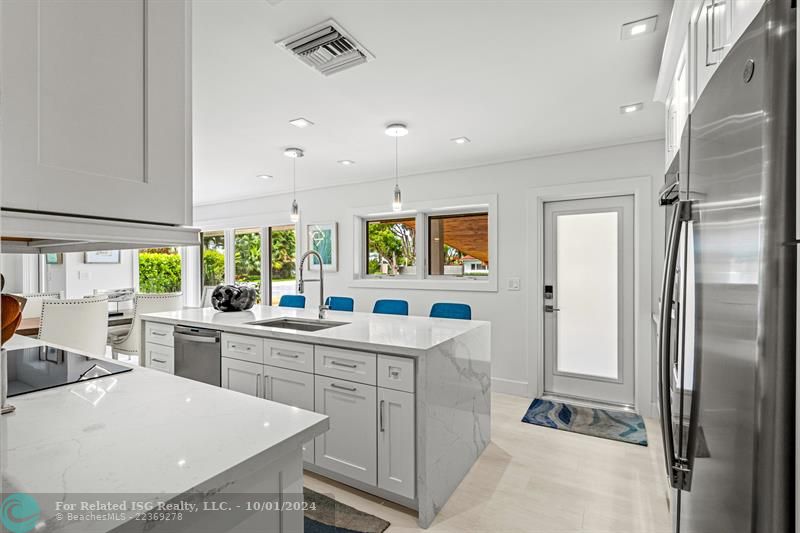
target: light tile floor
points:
(535, 479)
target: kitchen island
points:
(408, 397)
(144, 450)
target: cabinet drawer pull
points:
(237, 347)
(337, 386)
(380, 412)
(158, 333)
(283, 354)
(347, 365)
(159, 360)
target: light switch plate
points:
(513, 284)
(83, 275)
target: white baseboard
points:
(510, 386)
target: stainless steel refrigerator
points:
(728, 313)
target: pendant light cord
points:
(396, 175)
(294, 179)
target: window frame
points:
(422, 211)
(455, 214)
(365, 248)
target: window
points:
(458, 245)
(391, 247)
(159, 270)
(213, 253)
(282, 245)
(247, 258)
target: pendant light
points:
(396, 131)
(294, 153)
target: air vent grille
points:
(327, 48)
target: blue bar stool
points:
(447, 310)
(390, 307)
(339, 303)
(293, 300)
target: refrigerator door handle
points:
(676, 467)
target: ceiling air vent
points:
(327, 48)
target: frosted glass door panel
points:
(587, 274)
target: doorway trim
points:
(643, 202)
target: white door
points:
(396, 446)
(348, 447)
(294, 388)
(241, 376)
(588, 297)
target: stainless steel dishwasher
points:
(198, 354)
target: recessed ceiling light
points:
(631, 108)
(264, 176)
(301, 122)
(461, 140)
(637, 28)
(346, 162)
(293, 152)
(397, 130)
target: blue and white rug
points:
(614, 425)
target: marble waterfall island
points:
(147, 451)
(408, 397)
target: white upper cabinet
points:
(711, 33)
(96, 108)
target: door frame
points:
(643, 203)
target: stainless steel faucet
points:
(301, 282)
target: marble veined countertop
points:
(407, 335)
(144, 432)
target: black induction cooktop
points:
(45, 367)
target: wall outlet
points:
(513, 284)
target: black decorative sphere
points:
(233, 298)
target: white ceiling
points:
(519, 78)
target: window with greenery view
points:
(213, 250)
(159, 270)
(391, 247)
(247, 258)
(283, 246)
(458, 245)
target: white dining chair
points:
(33, 304)
(127, 339)
(80, 324)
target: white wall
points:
(11, 268)
(67, 276)
(507, 310)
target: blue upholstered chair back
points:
(293, 300)
(448, 310)
(339, 303)
(390, 307)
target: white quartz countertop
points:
(407, 335)
(141, 432)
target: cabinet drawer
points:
(291, 355)
(396, 372)
(345, 364)
(243, 347)
(159, 333)
(159, 357)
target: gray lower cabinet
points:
(293, 388)
(348, 447)
(396, 442)
(242, 376)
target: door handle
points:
(677, 471)
(551, 309)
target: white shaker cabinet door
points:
(96, 120)
(396, 442)
(242, 376)
(348, 447)
(291, 387)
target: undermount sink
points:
(298, 324)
